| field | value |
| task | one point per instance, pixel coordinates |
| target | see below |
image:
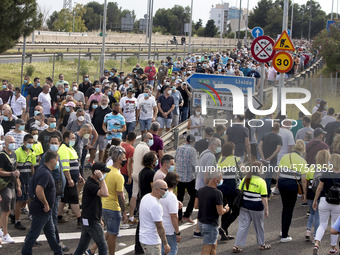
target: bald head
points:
(159, 188)
(6, 106)
(159, 184)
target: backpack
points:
(333, 194)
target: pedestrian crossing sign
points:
(284, 43)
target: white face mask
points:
(197, 113)
(81, 118)
(37, 123)
(87, 136)
(35, 138)
(75, 88)
(169, 92)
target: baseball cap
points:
(130, 90)
(70, 104)
(209, 130)
(318, 131)
(100, 166)
(19, 121)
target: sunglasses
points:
(163, 189)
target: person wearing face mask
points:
(167, 165)
(39, 122)
(18, 104)
(77, 94)
(37, 147)
(128, 108)
(209, 202)
(113, 76)
(61, 80)
(152, 233)
(147, 110)
(162, 71)
(196, 123)
(86, 84)
(32, 96)
(45, 135)
(7, 122)
(254, 208)
(94, 189)
(31, 121)
(5, 93)
(43, 193)
(69, 159)
(114, 204)
(114, 123)
(97, 95)
(93, 106)
(90, 90)
(26, 160)
(44, 100)
(108, 92)
(178, 103)
(115, 92)
(61, 96)
(83, 141)
(69, 109)
(26, 86)
(166, 104)
(151, 72)
(10, 175)
(18, 133)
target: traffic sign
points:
(283, 62)
(257, 31)
(288, 32)
(262, 49)
(215, 82)
(284, 43)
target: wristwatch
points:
(177, 234)
(101, 178)
(11, 173)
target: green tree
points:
(257, 16)
(210, 29)
(64, 21)
(330, 47)
(51, 20)
(92, 17)
(198, 24)
(18, 18)
(114, 15)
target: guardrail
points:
(174, 134)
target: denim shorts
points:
(145, 124)
(163, 122)
(112, 220)
(209, 232)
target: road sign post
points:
(257, 32)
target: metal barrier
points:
(174, 134)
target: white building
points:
(220, 15)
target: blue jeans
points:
(145, 124)
(172, 243)
(130, 126)
(128, 187)
(96, 232)
(41, 222)
(209, 232)
(183, 113)
(55, 217)
(313, 217)
(112, 220)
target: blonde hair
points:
(335, 161)
(300, 146)
(322, 157)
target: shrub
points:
(30, 70)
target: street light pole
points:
(222, 21)
(150, 27)
(291, 21)
(310, 19)
(147, 22)
(102, 56)
(73, 21)
(247, 23)
(190, 25)
(284, 28)
(239, 27)
(332, 10)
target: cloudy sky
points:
(201, 7)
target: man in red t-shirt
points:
(151, 72)
(126, 171)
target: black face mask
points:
(114, 112)
(123, 162)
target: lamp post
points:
(190, 25)
(239, 27)
(150, 26)
(310, 19)
(102, 56)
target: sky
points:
(201, 8)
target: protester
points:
(196, 123)
(254, 207)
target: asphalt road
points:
(189, 245)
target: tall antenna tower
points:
(67, 4)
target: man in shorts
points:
(9, 174)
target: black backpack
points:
(333, 194)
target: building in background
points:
(219, 14)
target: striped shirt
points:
(25, 161)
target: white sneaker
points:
(8, 239)
(280, 233)
(1, 233)
(286, 240)
(124, 226)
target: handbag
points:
(333, 194)
(3, 183)
(238, 198)
(300, 191)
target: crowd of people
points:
(51, 133)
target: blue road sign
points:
(288, 32)
(215, 82)
(257, 31)
(330, 23)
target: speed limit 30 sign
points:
(283, 62)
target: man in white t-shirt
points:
(287, 139)
(170, 213)
(44, 99)
(128, 108)
(329, 117)
(152, 232)
(18, 104)
(147, 110)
